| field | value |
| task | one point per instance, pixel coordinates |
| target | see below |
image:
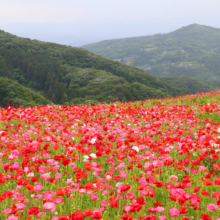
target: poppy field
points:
(152, 160)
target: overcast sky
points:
(85, 21)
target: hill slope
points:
(13, 93)
(66, 74)
(193, 50)
(190, 85)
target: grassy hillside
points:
(193, 50)
(13, 93)
(64, 74)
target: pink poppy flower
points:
(48, 197)
(173, 178)
(94, 197)
(194, 202)
(160, 209)
(41, 214)
(123, 174)
(112, 169)
(20, 206)
(58, 175)
(12, 218)
(72, 165)
(6, 211)
(104, 203)
(129, 195)
(108, 177)
(162, 217)
(39, 196)
(212, 207)
(58, 200)
(127, 208)
(49, 206)
(38, 188)
(143, 181)
(174, 212)
(69, 181)
(118, 197)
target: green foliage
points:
(191, 51)
(63, 74)
(13, 93)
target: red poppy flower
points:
(217, 181)
(215, 156)
(205, 193)
(97, 215)
(205, 217)
(87, 212)
(33, 211)
(77, 215)
(64, 217)
(150, 217)
(157, 204)
(141, 200)
(125, 188)
(207, 182)
(126, 217)
(185, 218)
(196, 189)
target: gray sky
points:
(84, 21)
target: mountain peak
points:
(195, 29)
(192, 50)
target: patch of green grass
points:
(1, 125)
(214, 116)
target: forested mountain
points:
(13, 93)
(67, 75)
(193, 50)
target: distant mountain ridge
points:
(68, 75)
(192, 50)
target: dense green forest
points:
(193, 51)
(68, 75)
(13, 93)
(190, 85)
